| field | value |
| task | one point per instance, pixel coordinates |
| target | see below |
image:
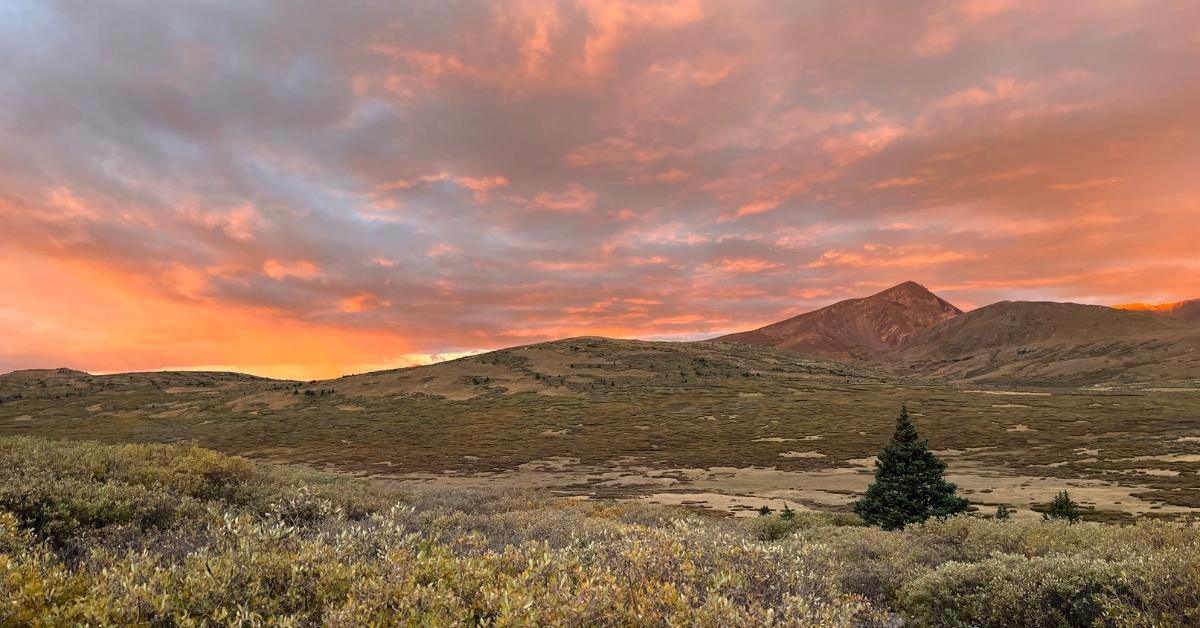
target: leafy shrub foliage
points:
(94, 535)
(1012, 591)
(774, 527)
(180, 536)
(966, 572)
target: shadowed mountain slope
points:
(886, 321)
(1183, 310)
(1055, 344)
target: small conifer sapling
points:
(910, 484)
(1003, 513)
(1062, 507)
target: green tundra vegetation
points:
(656, 405)
(178, 535)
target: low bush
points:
(61, 490)
(773, 527)
(1007, 591)
(1159, 589)
(180, 536)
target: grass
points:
(661, 405)
(175, 535)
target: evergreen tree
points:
(909, 483)
(1062, 507)
(1003, 513)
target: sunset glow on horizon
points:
(306, 190)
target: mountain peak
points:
(907, 286)
(885, 321)
(908, 289)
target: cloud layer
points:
(306, 189)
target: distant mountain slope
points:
(1055, 344)
(1183, 310)
(886, 321)
(673, 404)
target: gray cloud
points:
(475, 174)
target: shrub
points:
(250, 545)
(1150, 570)
(1157, 590)
(778, 526)
(1008, 591)
(61, 490)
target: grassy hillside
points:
(649, 411)
(136, 535)
(1055, 344)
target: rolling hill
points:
(1054, 344)
(724, 424)
(886, 321)
(593, 399)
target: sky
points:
(307, 189)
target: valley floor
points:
(715, 426)
(742, 492)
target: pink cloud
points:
(614, 21)
(279, 271)
(961, 18)
(574, 199)
(425, 183)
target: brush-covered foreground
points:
(177, 535)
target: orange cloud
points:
(279, 271)
(575, 199)
(745, 266)
(947, 27)
(392, 184)
(360, 303)
(614, 21)
(479, 186)
(613, 149)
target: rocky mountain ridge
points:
(887, 321)
(909, 329)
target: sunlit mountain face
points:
(1149, 307)
(312, 190)
(1186, 310)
